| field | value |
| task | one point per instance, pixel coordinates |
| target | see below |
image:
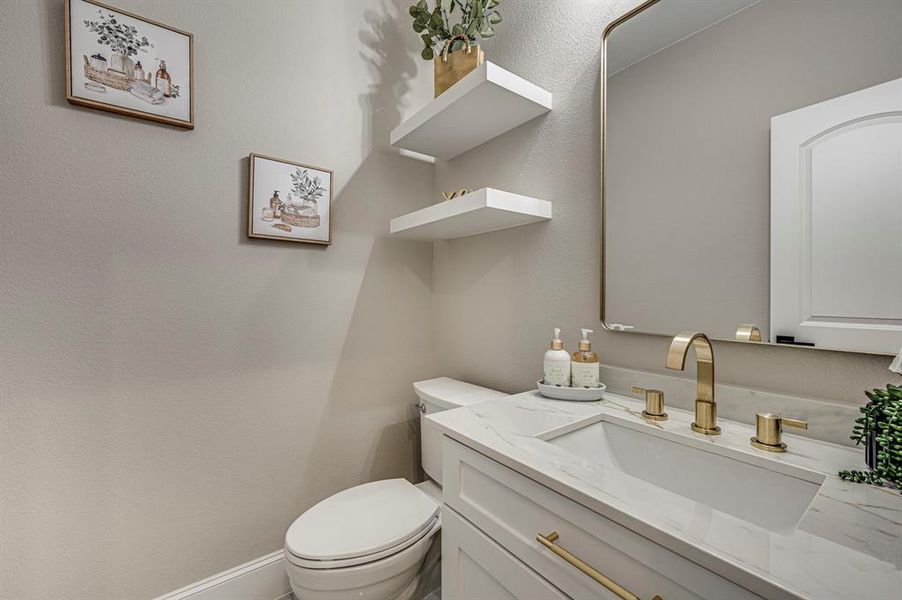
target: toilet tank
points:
(443, 393)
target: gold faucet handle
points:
(769, 430)
(798, 423)
(654, 404)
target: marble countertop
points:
(847, 545)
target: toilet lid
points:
(361, 520)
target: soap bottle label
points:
(557, 373)
(585, 374)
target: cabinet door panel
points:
(476, 568)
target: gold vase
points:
(451, 67)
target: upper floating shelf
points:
(484, 104)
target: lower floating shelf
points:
(478, 212)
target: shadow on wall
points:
(370, 399)
(371, 404)
(388, 53)
(383, 186)
(54, 68)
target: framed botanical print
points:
(123, 63)
(289, 201)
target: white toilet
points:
(370, 542)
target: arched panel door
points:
(836, 222)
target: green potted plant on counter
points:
(458, 53)
(879, 430)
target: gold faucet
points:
(705, 407)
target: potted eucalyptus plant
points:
(451, 27)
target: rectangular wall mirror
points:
(752, 171)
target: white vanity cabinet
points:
(492, 516)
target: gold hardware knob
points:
(654, 404)
(769, 430)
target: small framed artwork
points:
(289, 201)
(119, 62)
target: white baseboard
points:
(261, 579)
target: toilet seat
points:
(361, 524)
(427, 532)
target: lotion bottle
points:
(164, 81)
(584, 366)
(557, 362)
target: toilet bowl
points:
(379, 540)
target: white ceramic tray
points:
(576, 394)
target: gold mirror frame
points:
(603, 99)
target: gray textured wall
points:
(173, 394)
(688, 154)
(498, 295)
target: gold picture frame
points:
(112, 90)
(300, 218)
(603, 126)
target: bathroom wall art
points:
(119, 62)
(289, 201)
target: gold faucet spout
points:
(705, 406)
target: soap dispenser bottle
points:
(584, 366)
(557, 362)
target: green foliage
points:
(307, 187)
(121, 38)
(477, 18)
(882, 416)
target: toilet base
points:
(430, 585)
(410, 590)
(394, 577)
(377, 592)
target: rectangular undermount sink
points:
(768, 498)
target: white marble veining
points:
(828, 421)
(848, 544)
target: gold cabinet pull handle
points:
(621, 592)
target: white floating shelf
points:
(478, 212)
(483, 105)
